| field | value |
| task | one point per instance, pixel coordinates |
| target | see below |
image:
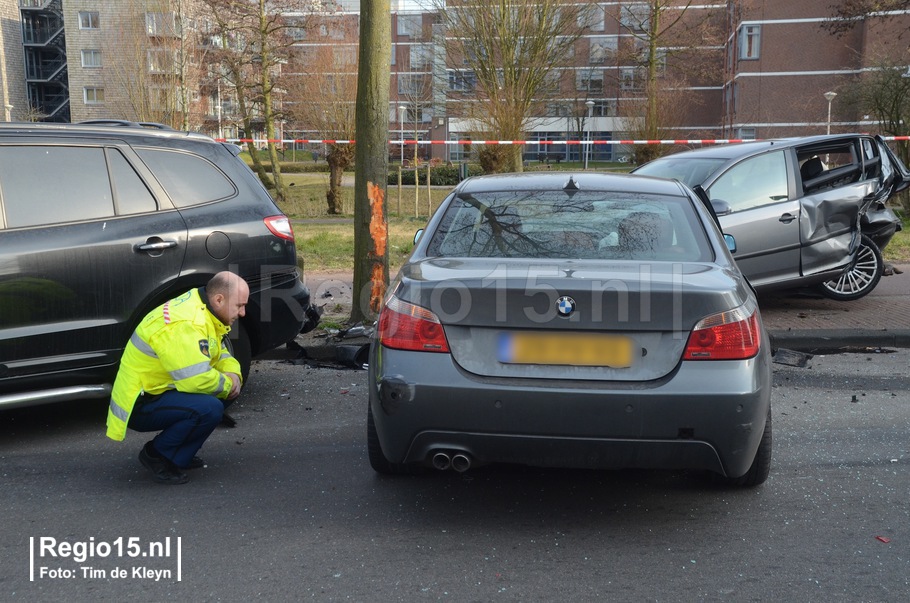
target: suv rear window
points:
(585, 225)
(188, 180)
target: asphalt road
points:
(288, 509)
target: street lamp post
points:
(829, 96)
(401, 112)
(9, 112)
(590, 105)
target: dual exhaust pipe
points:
(458, 461)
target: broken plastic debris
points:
(884, 539)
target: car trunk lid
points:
(618, 321)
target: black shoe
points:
(195, 463)
(162, 469)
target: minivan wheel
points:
(860, 278)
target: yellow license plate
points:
(567, 349)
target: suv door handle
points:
(787, 218)
(155, 244)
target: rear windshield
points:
(583, 225)
(688, 170)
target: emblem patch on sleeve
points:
(204, 347)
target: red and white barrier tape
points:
(482, 142)
(511, 142)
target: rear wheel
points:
(378, 460)
(860, 278)
(761, 464)
(238, 342)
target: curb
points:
(827, 339)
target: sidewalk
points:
(794, 321)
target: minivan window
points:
(187, 179)
(73, 185)
(133, 197)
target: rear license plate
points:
(569, 349)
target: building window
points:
(627, 79)
(592, 17)
(412, 85)
(746, 134)
(462, 81)
(91, 58)
(421, 56)
(161, 60)
(604, 108)
(589, 80)
(410, 25)
(602, 48)
(344, 56)
(89, 20)
(635, 17)
(161, 24)
(749, 42)
(92, 95)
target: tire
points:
(761, 465)
(378, 461)
(238, 342)
(860, 278)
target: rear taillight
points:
(733, 335)
(280, 226)
(404, 326)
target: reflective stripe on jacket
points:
(178, 345)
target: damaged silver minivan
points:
(803, 211)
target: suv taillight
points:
(733, 335)
(280, 226)
(404, 326)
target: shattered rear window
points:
(582, 225)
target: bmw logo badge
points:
(565, 305)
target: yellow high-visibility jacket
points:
(178, 345)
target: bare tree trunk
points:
(333, 196)
(371, 253)
(268, 111)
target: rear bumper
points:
(275, 314)
(706, 415)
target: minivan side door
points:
(83, 241)
(763, 217)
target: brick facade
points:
(12, 81)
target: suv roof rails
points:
(126, 123)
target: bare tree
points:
(323, 99)
(371, 229)
(254, 45)
(508, 48)
(847, 14)
(661, 31)
(883, 92)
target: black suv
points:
(100, 223)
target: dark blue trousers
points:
(184, 420)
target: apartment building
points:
(783, 66)
(727, 69)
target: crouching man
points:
(177, 376)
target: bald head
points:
(228, 295)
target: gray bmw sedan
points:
(571, 320)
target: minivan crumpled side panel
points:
(829, 229)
